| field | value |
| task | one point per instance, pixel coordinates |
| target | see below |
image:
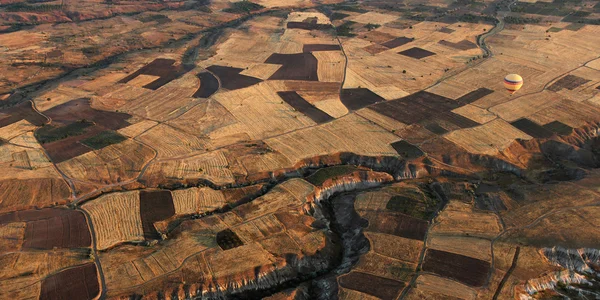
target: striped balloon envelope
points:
(513, 82)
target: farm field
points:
(268, 149)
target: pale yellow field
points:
(475, 113)
(331, 66)
(163, 104)
(460, 218)
(568, 112)
(261, 112)
(197, 200)
(344, 134)
(211, 166)
(138, 128)
(428, 286)
(489, 138)
(374, 18)
(448, 89)
(111, 164)
(525, 106)
(261, 70)
(16, 129)
(170, 142)
(116, 218)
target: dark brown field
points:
(375, 48)
(397, 224)
(465, 269)
(164, 68)
(209, 85)
(227, 239)
(447, 30)
(67, 145)
(80, 282)
(434, 127)
(301, 66)
(416, 52)
(303, 106)
(423, 107)
(462, 45)
(474, 95)
(308, 26)
(155, 206)
(407, 150)
(19, 112)
(80, 109)
(559, 128)
(52, 227)
(570, 82)
(532, 128)
(397, 42)
(231, 78)
(379, 287)
(358, 98)
(320, 47)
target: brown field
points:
(373, 285)
(455, 267)
(81, 282)
(468, 246)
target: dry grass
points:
(138, 128)
(461, 219)
(111, 164)
(171, 143)
(475, 113)
(346, 134)
(211, 166)
(489, 138)
(331, 65)
(261, 70)
(116, 219)
(435, 287)
(373, 18)
(197, 200)
(260, 111)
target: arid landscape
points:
(299, 149)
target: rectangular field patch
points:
(155, 206)
(569, 82)
(468, 270)
(379, 287)
(397, 224)
(416, 53)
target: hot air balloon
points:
(513, 82)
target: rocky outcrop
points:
(358, 180)
(580, 277)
